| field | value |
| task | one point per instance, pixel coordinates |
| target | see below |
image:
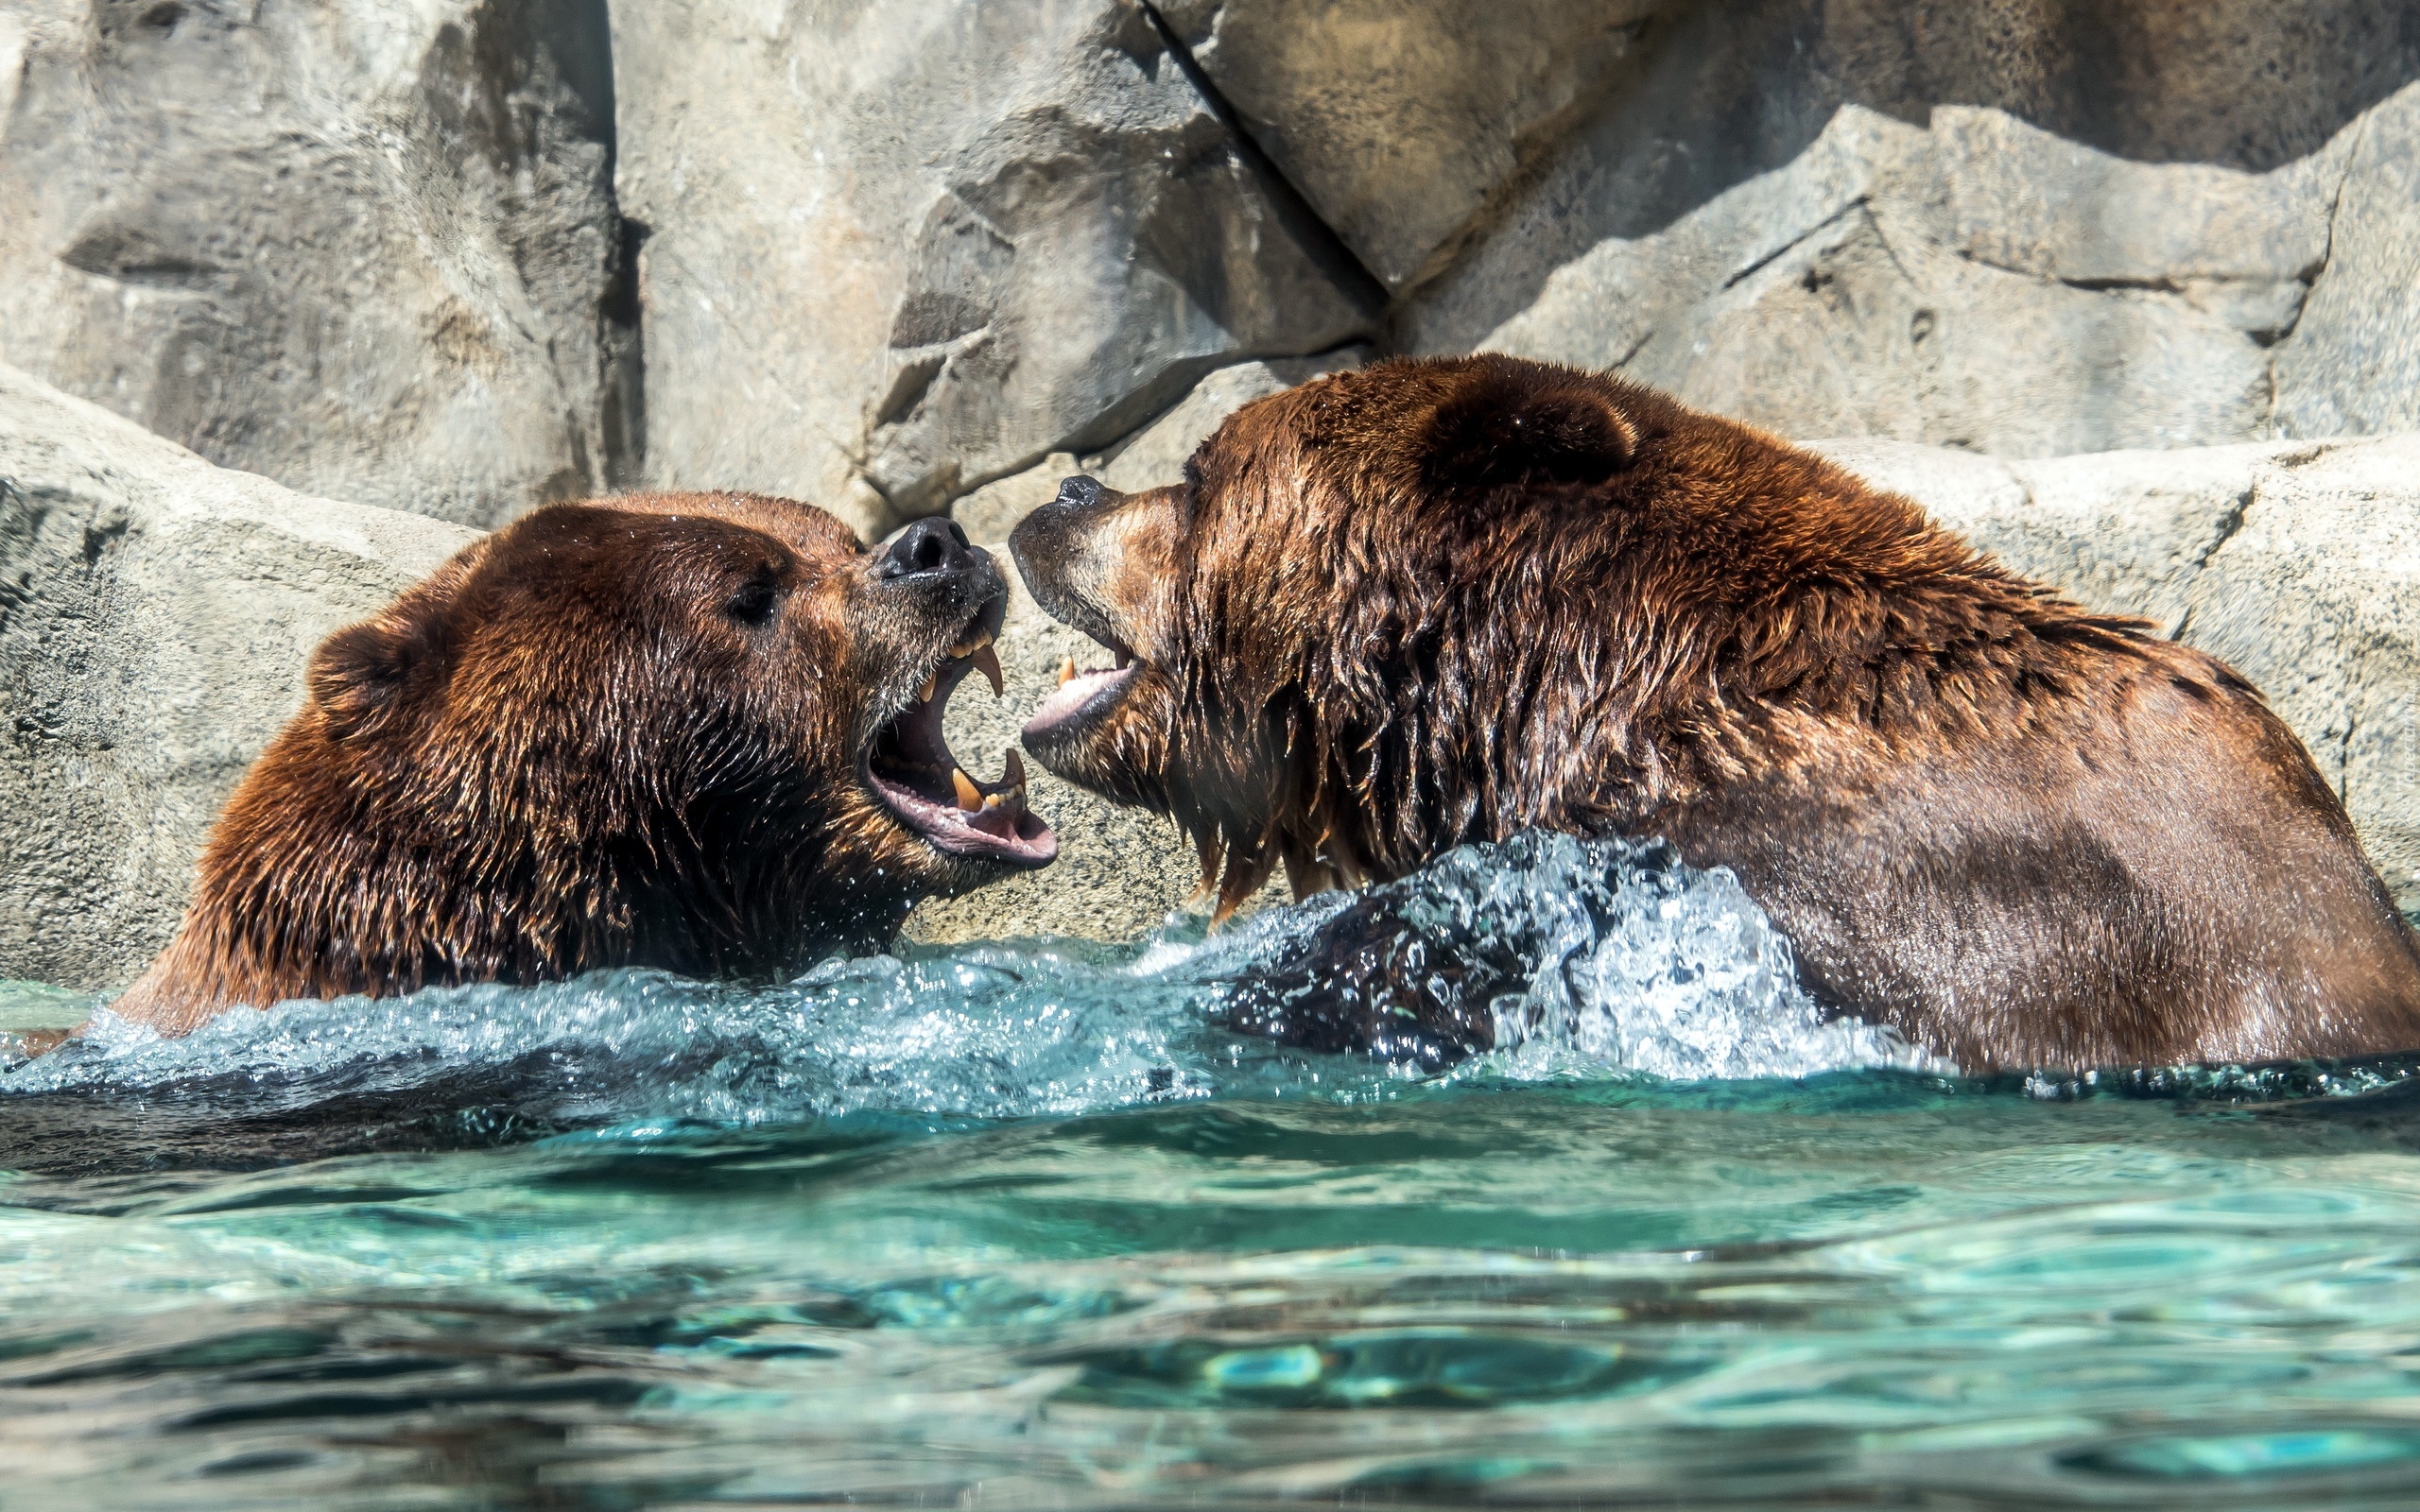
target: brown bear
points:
(1439, 601)
(697, 732)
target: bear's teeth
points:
(1014, 777)
(1124, 659)
(989, 660)
(975, 643)
(1066, 671)
(970, 797)
(930, 683)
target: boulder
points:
(370, 251)
(2297, 563)
(2352, 365)
(898, 252)
(2014, 228)
(156, 614)
(1978, 283)
(1398, 123)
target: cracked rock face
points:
(1399, 122)
(368, 250)
(1981, 284)
(2352, 365)
(156, 615)
(2006, 225)
(897, 251)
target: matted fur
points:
(1439, 601)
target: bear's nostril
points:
(927, 546)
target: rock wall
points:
(156, 614)
(466, 255)
(366, 249)
(2016, 227)
(898, 252)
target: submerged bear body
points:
(695, 733)
(1442, 601)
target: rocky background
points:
(454, 259)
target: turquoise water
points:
(1018, 1226)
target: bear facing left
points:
(699, 732)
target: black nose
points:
(1081, 491)
(929, 545)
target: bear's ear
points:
(1515, 425)
(358, 675)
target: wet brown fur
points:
(1439, 601)
(619, 733)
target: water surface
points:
(1020, 1225)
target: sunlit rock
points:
(1397, 122)
(899, 252)
(367, 250)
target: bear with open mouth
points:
(701, 732)
(1439, 601)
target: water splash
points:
(1615, 960)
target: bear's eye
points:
(753, 602)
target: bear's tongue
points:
(912, 771)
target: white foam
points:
(1637, 965)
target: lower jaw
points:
(1080, 703)
(1013, 841)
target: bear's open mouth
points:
(1083, 696)
(909, 768)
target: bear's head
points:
(701, 732)
(1353, 593)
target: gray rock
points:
(156, 614)
(2016, 229)
(1398, 123)
(2298, 563)
(1718, 93)
(2352, 363)
(368, 250)
(900, 251)
(1981, 284)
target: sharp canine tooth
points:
(1066, 671)
(930, 683)
(989, 660)
(1015, 775)
(1124, 661)
(970, 797)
